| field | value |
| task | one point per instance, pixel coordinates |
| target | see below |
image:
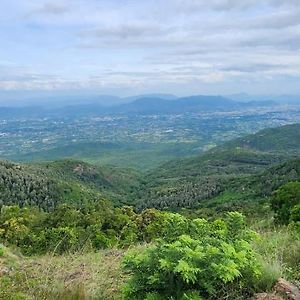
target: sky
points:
(127, 47)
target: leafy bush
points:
(209, 260)
(284, 200)
(68, 228)
(295, 213)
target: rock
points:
(79, 275)
(266, 296)
(74, 276)
(5, 271)
(287, 289)
(78, 169)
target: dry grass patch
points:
(73, 276)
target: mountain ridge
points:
(138, 105)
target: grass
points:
(279, 251)
(94, 275)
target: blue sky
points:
(128, 47)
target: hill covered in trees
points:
(66, 181)
(284, 139)
(228, 172)
(253, 152)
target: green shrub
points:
(295, 214)
(284, 201)
(68, 228)
(209, 260)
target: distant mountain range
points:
(284, 99)
(52, 99)
(165, 104)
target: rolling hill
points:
(189, 182)
(280, 139)
(244, 155)
(66, 181)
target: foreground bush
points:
(211, 260)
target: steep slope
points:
(113, 182)
(22, 185)
(241, 193)
(219, 191)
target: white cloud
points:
(98, 43)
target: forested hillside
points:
(225, 173)
(281, 139)
(47, 185)
(227, 190)
(24, 186)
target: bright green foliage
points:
(285, 203)
(206, 261)
(295, 213)
(68, 228)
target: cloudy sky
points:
(127, 47)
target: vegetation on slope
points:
(280, 139)
(112, 182)
(81, 275)
(197, 260)
(23, 186)
(232, 170)
(141, 156)
(218, 189)
(49, 184)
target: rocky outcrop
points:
(282, 290)
(266, 296)
(287, 289)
